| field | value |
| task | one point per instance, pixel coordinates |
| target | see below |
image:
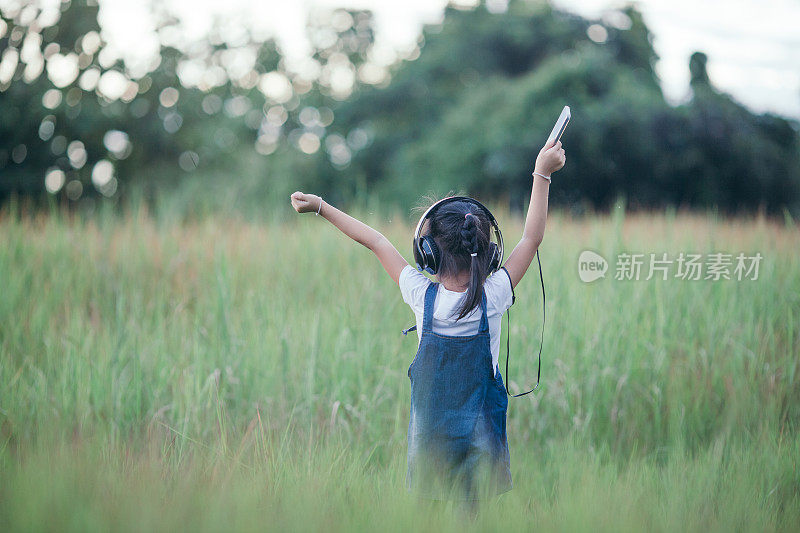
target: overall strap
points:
(484, 327)
(430, 298)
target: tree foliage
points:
(472, 112)
(232, 120)
(82, 126)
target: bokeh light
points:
(47, 127)
(51, 99)
(168, 97)
(188, 161)
(76, 152)
(308, 143)
(103, 177)
(74, 189)
(63, 69)
(19, 153)
(112, 84)
(117, 143)
(276, 86)
(597, 33)
(54, 180)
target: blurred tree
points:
(38, 126)
(473, 110)
(78, 124)
(698, 75)
(730, 157)
(230, 121)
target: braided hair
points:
(461, 231)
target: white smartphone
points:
(561, 125)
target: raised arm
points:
(551, 158)
(387, 254)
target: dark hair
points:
(460, 229)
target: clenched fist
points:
(305, 203)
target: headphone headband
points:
(419, 253)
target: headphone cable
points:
(541, 344)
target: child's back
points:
(499, 297)
(457, 444)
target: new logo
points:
(591, 266)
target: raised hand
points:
(305, 203)
(551, 158)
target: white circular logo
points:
(591, 266)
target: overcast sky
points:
(753, 46)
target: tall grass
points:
(225, 374)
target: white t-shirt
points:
(499, 297)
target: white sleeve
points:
(499, 291)
(413, 286)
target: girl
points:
(457, 428)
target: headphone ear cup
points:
(430, 254)
(494, 257)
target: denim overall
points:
(457, 446)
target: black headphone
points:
(426, 252)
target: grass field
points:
(229, 375)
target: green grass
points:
(220, 374)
